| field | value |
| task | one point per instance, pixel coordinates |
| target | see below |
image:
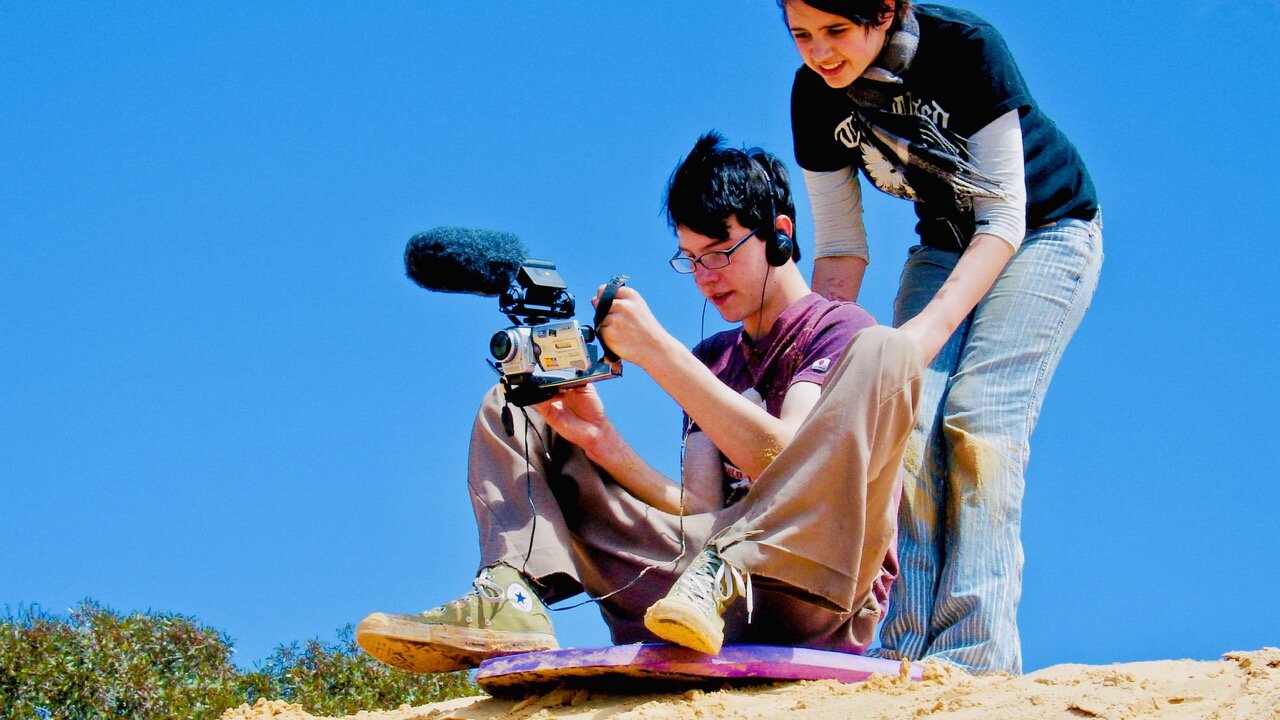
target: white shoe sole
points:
(679, 621)
(421, 648)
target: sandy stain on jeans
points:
(974, 463)
(911, 458)
(915, 495)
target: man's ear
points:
(784, 225)
(781, 248)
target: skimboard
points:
(641, 667)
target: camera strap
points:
(602, 309)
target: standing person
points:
(564, 504)
(927, 102)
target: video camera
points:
(546, 350)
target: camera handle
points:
(602, 309)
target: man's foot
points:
(500, 616)
(691, 613)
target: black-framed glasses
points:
(713, 260)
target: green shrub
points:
(160, 666)
(336, 679)
(97, 664)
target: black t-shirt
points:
(963, 77)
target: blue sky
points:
(220, 396)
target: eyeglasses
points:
(713, 260)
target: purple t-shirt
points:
(805, 340)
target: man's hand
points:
(630, 329)
(578, 415)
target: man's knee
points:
(489, 415)
(898, 350)
(890, 355)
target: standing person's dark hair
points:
(860, 12)
(927, 104)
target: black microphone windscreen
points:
(464, 260)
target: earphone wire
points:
(528, 489)
(533, 529)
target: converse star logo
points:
(821, 365)
(519, 598)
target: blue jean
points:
(959, 523)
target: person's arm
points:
(702, 470)
(578, 415)
(1001, 221)
(972, 277)
(840, 239)
(745, 432)
(997, 152)
(838, 277)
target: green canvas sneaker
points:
(692, 612)
(500, 616)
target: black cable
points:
(528, 492)
(760, 314)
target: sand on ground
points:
(1240, 686)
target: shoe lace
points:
(487, 589)
(482, 587)
(717, 582)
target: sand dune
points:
(1241, 686)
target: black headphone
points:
(778, 246)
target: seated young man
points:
(795, 428)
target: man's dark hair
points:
(858, 12)
(716, 182)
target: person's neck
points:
(784, 288)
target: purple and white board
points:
(644, 667)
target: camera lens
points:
(502, 345)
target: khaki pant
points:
(816, 531)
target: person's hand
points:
(577, 415)
(928, 336)
(630, 329)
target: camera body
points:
(550, 348)
(546, 350)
